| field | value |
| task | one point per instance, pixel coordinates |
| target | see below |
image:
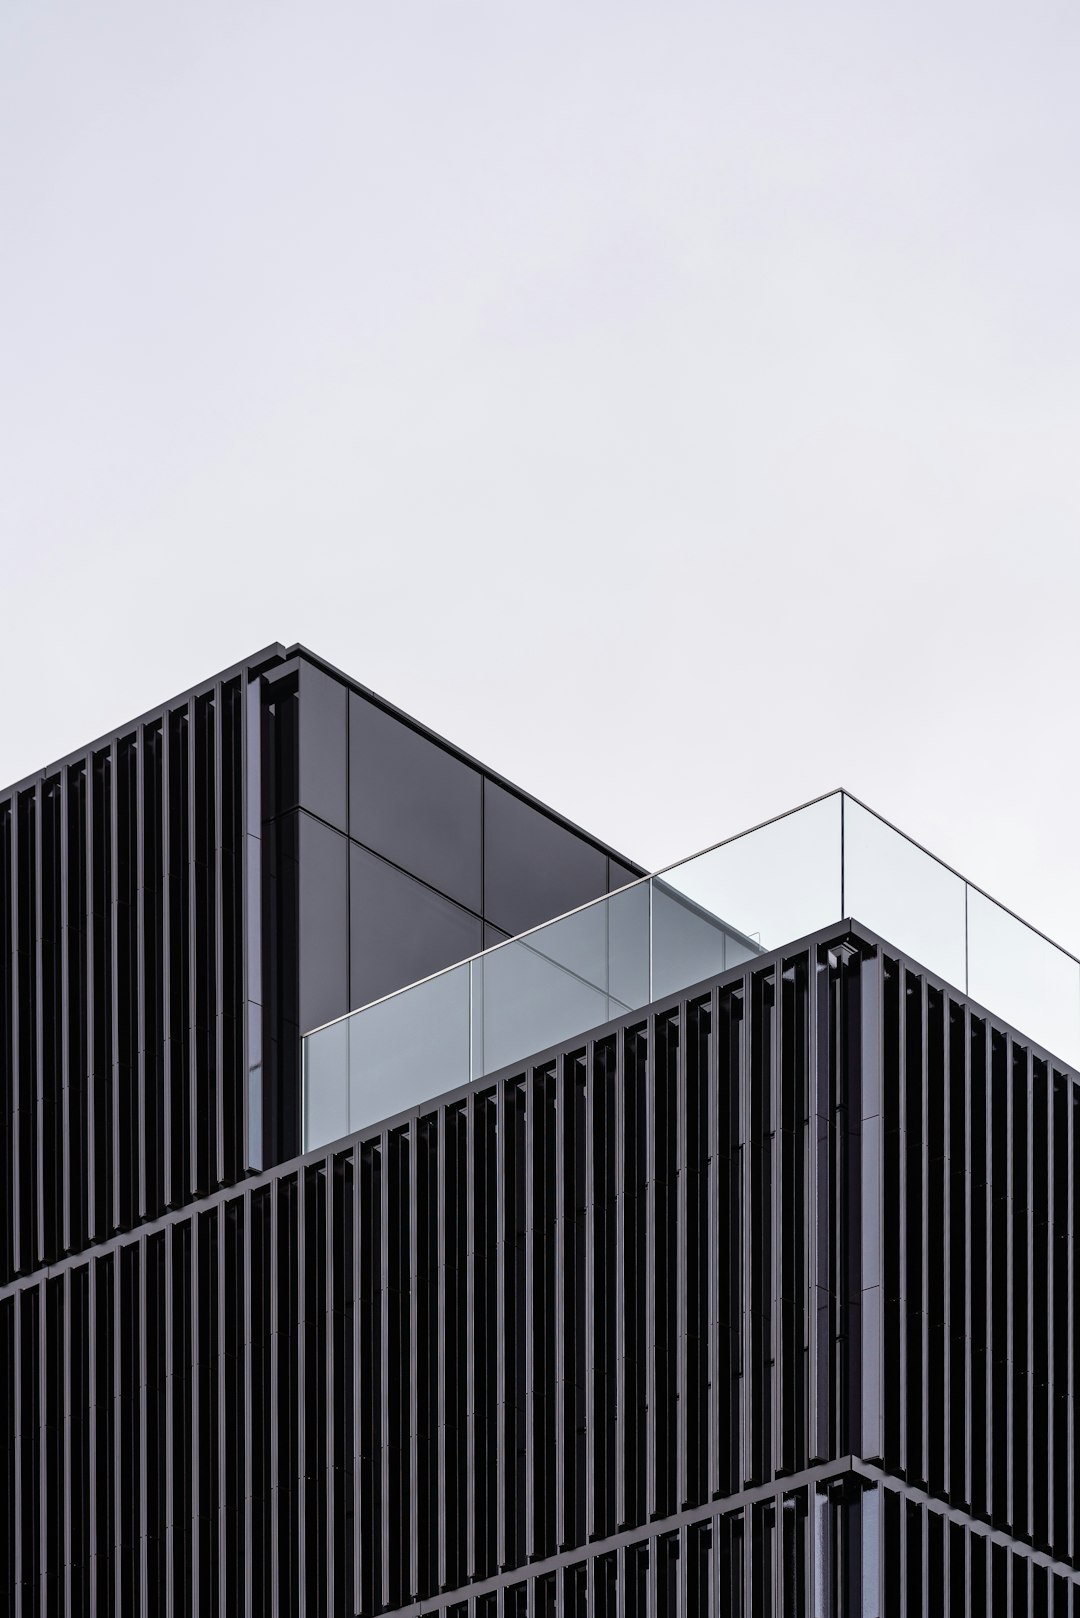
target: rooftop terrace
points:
(830, 859)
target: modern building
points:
(408, 1205)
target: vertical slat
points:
(359, 1551)
(113, 910)
(388, 1368)
(41, 1251)
(143, 1111)
(152, 1041)
(924, 1297)
(504, 1459)
(774, 1290)
(1073, 1127)
(168, 1033)
(198, 1306)
(562, 1079)
(959, 1030)
(8, 1149)
(329, 1259)
(192, 1188)
(715, 1257)
(62, 1044)
(248, 1351)
(11, 1037)
(747, 1425)
(216, 1010)
(43, 1482)
(142, 1392)
(278, 1597)
(1072, 1546)
(118, 1391)
(470, 1351)
(679, 1197)
(168, 1457)
(1023, 1457)
(945, 1236)
(533, 1425)
(66, 1484)
(19, 1402)
(652, 1392)
(250, 711)
(225, 1569)
(588, 1325)
(621, 1409)
(297, 1481)
(443, 1521)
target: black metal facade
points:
(184, 897)
(759, 1302)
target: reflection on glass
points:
(560, 980)
(767, 888)
(774, 884)
(627, 914)
(524, 1001)
(1023, 978)
(688, 942)
(905, 894)
(413, 1045)
(326, 1095)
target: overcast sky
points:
(676, 405)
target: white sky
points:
(677, 406)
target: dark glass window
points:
(399, 929)
(413, 802)
(533, 867)
(323, 911)
(619, 875)
(324, 743)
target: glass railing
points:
(830, 859)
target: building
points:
(708, 1249)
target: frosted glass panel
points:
(903, 893)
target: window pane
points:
(324, 746)
(324, 923)
(400, 930)
(414, 802)
(533, 867)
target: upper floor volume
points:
(276, 910)
(183, 898)
(409, 1205)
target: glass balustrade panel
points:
(1020, 976)
(903, 893)
(771, 885)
